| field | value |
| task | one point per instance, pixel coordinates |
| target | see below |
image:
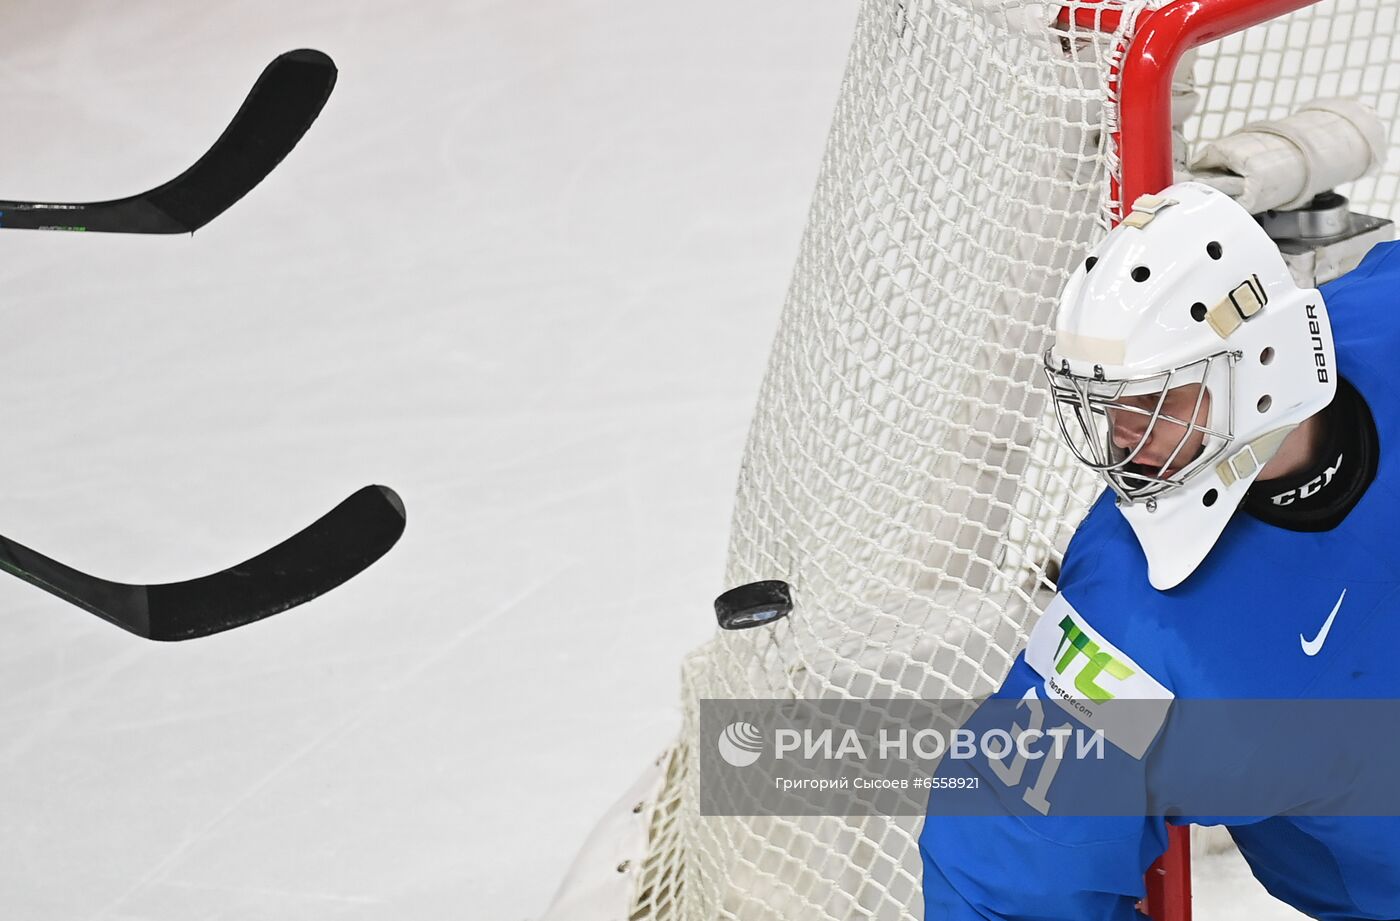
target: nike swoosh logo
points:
(1313, 646)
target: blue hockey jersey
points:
(1271, 614)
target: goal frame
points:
(1161, 38)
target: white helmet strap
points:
(1252, 456)
(1244, 301)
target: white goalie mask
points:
(1184, 355)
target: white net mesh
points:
(901, 473)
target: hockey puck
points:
(753, 605)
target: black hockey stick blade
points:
(280, 108)
(338, 546)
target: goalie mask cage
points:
(901, 472)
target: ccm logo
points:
(1310, 488)
(1319, 356)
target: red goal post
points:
(1161, 37)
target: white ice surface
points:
(524, 269)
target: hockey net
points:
(900, 472)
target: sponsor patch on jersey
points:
(1096, 682)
